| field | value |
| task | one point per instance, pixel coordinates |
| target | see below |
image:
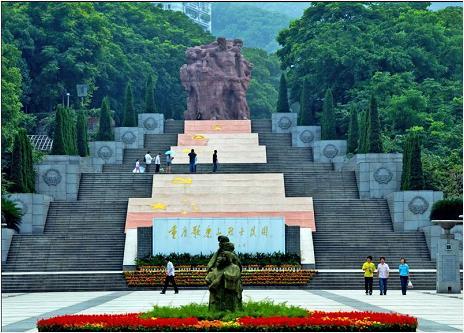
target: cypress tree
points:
(70, 125)
(105, 132)
(81, 127)
(353, 132)
(129, 119)
(150, 96)
(328, 131)
(374, 141)
(413, 177)
(282, 102)
(59, 140)
(405, 176)
(362, 148)
(307, 116)
(22, 172)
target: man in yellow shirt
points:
(369, 268)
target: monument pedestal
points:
(448, 259)
(448, 279)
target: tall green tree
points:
(22, 171)
(150, 96)
(412, 177)
(307, 116)
(105, 131)
(71, 130)
(59, 138)
(364, 127)
(81, 127)
(353, 132)
(374, 141)
(282, 101)
(328, 127)
(130, 117)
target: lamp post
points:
(67, 96)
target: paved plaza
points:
(436, 313)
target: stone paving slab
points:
(436, 313)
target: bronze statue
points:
(224, 278)
(216, 78)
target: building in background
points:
(200, 12)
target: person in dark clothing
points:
(170, 273)
(215, 161)
(192, 161)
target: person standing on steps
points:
(157, 163)
(192, 161)
(383, 271)
(215, 161)
(169, 159)
(170, 272)
(369, 268)
(403, 269)
(137, 167)
(148, 160)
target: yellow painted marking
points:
(181, 180)
(217, 128)
(199, 137)
(158, 206)
(186, 150)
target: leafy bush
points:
(263, 309)
(276, 258)
(11, 215)
(447, 209)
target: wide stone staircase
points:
(87, 235)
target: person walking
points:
(137, 167)
(170, 273)
(192, 161)
(148, 159)
(169, 159)
(383, 271)
(369, 268)
(403, 269)
(157, 163)
(215, 161)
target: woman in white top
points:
(383, 272)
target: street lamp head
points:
(67, 94)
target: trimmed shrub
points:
(362, 147)
(447, 209)
(282, 102)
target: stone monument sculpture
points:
(216, 78)
(224, 278)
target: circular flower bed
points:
(314, 321)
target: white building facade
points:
(199, 12)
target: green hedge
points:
(276, 258)
(447, 209)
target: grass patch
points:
(262, 309)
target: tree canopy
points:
(408, 57)
(104, 45)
